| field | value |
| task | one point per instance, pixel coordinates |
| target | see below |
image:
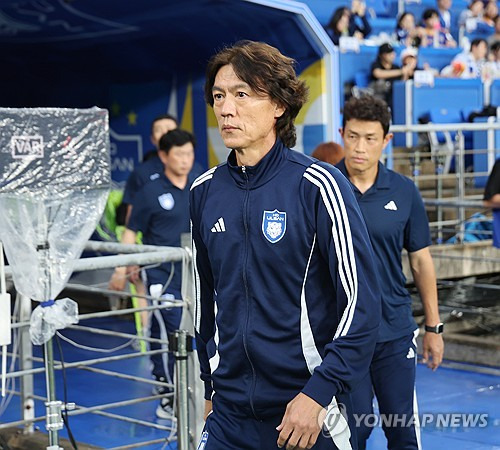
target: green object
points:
(110, 231)
(137, 318)
(107, 227)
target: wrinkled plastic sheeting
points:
(54, 181)
(46, 321)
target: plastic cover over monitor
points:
(54, 181)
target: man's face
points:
(246, 119)
(388, 58)
(161, 127)
(179, 160)
(444, 4)
(479, 51)
(363, 144)
(432, 22)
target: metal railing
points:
(188, 425)
(461, 182)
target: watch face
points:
(438, 329)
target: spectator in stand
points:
(407, 34)
(491, 199)
(491, 69)
(345, 22)
(358, 22)
(432, 33)
(485, 26)
(496, 35)
(329, 152)
(469, 17)
(385, 72)
(443, 8)
(468, 64)
(339, 24)
(409, 57)
(489, 14)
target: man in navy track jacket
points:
(288, 304)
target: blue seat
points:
(382, 8)
(362, 79)
(382, 25)
(445, 115)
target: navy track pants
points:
(229, 428)
(392, 380)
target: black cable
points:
(64, 413)
(3, 444)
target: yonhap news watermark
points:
(337, 419)
(435, 420)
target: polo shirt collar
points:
(381, 182)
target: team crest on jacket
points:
(166, 201)
(274, 225)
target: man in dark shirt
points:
(152, 166)
(395, 217)
(492, 200)
(384, 72)
(160, 211)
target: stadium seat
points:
(362, 78)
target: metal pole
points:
(53, 407)
(460, 167)
(181, 343)
(491, 144)
(409, 111)
(439, 194)
(26, 364)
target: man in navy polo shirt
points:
(492, 200)
(395, 216)
(161, 212)
(150, 169)
(152, 166)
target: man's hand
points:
(133, 273)
(208, 409)
(118, 279)
(300, 425)
(433, 349)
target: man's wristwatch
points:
(438, 329)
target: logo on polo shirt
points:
(166, 201)
(391, 206)
(154, 176)
(219, 226)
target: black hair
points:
(163, 117)
(477, 41)
(428, 13)
(335, 19)
(369, 109)
(268, 72)
(175, 138)
(495, 46)
(401, 17)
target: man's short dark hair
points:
(175, 138)
(477, 41)
(369, 109)
(267, 72)
(163, 117)
(428, 13)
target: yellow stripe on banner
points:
(315, 78)
(187, 114)
(211, 123)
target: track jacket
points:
(286, 293)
